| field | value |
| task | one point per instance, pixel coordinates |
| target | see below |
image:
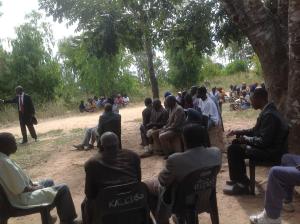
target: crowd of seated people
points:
(240, 95)
(161, 129)
(113, 165)
(95, 103)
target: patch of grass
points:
(77, 131)
(235, 116)
(51, 133)
(226, 80)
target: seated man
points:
(158, 119)
(208, 107)
(89, 139)
(280, 189)
(178, 166)
(146, 114)
(111, 166)
(266, 142)
(173, 127)
(23, 193)
(109, 121)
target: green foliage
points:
(211, 69)
(236, 67)
(184, 68)
(97, 76)
(30, 63)
(256, 66)
(190, 39)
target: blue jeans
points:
(281, 183)
(63, 201)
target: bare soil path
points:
(53, 157)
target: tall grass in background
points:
(225, 81)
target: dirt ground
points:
(59, 162)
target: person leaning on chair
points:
(266, 142)
(178, 166)
(109, 167)
(26, 113)
(24, 194)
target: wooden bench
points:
(8, 211)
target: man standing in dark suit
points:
(265, 142)
(26, 113)
(109, 121)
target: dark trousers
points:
(24, 121)
(236, 161)
(145, 140)
(63, 201)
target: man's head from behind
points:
(202, 91)
(148, 101)
(194, 135)
(107, 108)
(259, 98)
(157, 104)
(109, 142)
(171, 101)
(19, 90)
(8, 143)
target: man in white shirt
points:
(208, 107)
(23, 193)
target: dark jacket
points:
(102, 172)
(146, 115)
(158, 118)
(270, 132)
(29, 110)
(109, 121)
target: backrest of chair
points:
(123, 200)
(196, 189)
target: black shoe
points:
(24, 142)
(146, 154)
(79, 147)
(230, 182)
(236, 189)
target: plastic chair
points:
(8, 211)
(123, 204)
(197, 194)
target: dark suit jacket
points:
(109, 122)
(179, 165)
(102, 172)
(146, 114)
(269, 133)
(29, 110)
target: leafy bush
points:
(256, 66)
(211, 69)
(236, 67)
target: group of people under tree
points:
(95, 103)
(239, 95)
(113, 165)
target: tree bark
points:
(266, 35)
(152, 76)
(293, 99)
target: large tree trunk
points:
(275, 37)
(268, 40)
(293, 102)
(152, 76)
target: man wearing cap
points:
(26, 113)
